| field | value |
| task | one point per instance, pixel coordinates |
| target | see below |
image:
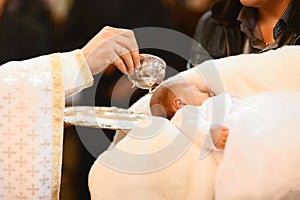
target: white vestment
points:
(31, 122)
(242, 76)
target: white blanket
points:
(165, 165)
(157, 161)
(249, 74)
(261, 159)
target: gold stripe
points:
(80, 58)
(57, 123)
(83, 66)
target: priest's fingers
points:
(112, 46)
(119, 63)
(125, 55)
(131, 45)
(127, 48)
(128, 40)
(136, 57)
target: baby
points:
(173, 95)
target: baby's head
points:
(173, 95)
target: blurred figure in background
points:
(199, 6)
(242, 26)
(59, 10)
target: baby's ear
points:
(178, 103)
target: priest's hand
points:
(112, 46)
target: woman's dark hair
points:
(226, 11)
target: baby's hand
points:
(219, 135)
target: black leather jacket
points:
(218, 32)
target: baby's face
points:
(200, 96)
(192, 96)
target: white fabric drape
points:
(249, 74)
(261, 159)
(154, 161)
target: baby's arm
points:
(219, 135)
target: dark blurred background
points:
(30, 28)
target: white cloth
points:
(154, 161)
(31, 122)
(249, 74)
(196, 123)
(142, 105)
(261, 159)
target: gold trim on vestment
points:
(79, 58)
(57, 123)
(84, 69)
